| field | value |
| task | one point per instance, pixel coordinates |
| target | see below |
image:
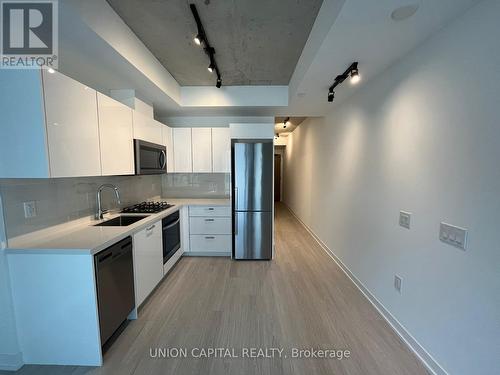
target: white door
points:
(72, 127)
(148, 261)
(169, 144)
(116, 137)
(182, 150)
(202, 150)
(221, 150)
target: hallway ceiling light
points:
(286, 122)
(201, 38)
(351, 71)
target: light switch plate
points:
(29, 209)
(404, 219)
(453, 235)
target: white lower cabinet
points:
(148, 261)
(210, 230)
(184, 214)
(210, 225)
(210, 243)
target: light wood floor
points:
(301, 299)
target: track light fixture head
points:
(351, 71)
(331, 95)
(355, 74)
(219, 83)
(211, 67)
(198, 39)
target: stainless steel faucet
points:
(100, 212)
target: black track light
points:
(286, 122)
(331, 95)
(352, 71)
(201, 38)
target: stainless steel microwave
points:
(150, 158)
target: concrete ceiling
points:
(98, 49)
(257, 42)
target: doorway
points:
(277, 177)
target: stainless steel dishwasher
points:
(114, 270)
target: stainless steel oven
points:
(150, 158)
(171, 235)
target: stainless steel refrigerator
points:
(252, 181)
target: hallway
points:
(300, 300)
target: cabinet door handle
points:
(210, 208)
(209, 237)
(151, 227)
(209, 219)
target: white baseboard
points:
(423, 355)
(206, 254)
(11, 362)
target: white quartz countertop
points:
(83, 237)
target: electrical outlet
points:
(29, 209)
(453, 235)
(404, 219)
(398, 283)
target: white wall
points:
(424, 137)
(10, 356)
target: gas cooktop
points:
(147, 208)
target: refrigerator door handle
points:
(235, 198)
(235, 224)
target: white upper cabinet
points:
(72, 127)
(23, 139)
(202, 150)
(147, 128)
(221, 150)
(116, 136)
(182, 150)
(169, 144)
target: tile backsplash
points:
(196, 185)
(65, 199)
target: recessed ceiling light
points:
(404, 12)
(50, 70)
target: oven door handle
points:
(173, 224)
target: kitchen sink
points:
(120, 221)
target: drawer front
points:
(210, 225)
(210, 243)
(210, 211)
